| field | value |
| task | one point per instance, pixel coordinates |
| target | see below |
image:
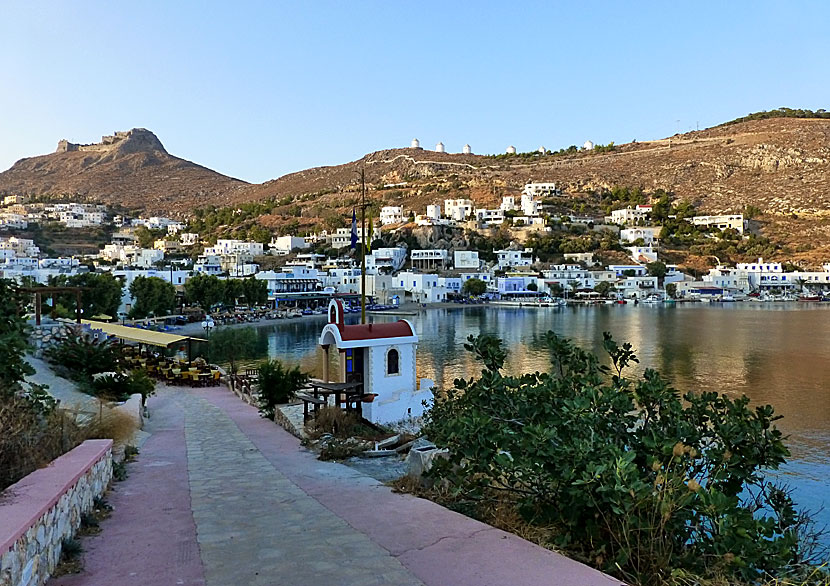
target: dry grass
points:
(338, 423)
(112, 424)
(30, 440)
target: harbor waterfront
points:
(773, 353)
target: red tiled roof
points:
(398, 329)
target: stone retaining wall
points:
(45, 507)
(46, 334)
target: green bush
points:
(118, 386)
(277, 384)
(81, 356)
(637, 479)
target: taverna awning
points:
(138, 335)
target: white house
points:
(22, 247)
(466, 259)
(567, 275)
(423, 287)
(637, 287)
(629, 215)
(342, 237)
(721, 222)
(489, 217)
(391, 215)
(637, 270)
(642, 254)
(539, 189)
(386, 259)
(649, 234)
(429, 259)
(225, 247)
(188, 238)
(285, 244)
(458, 209)
(530, 204)
(508, 203)
(514, 258)
(381, 356)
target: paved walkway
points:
(220, 496)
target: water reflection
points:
(773, 353)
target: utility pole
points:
(363, 244)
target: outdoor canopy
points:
(139, 335)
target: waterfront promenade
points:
(220, 496)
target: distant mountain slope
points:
(780, 165)
(129, 168)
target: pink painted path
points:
(152, 537)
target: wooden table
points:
(344, 393)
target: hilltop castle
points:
(129, 140)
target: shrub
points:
(277, 384)
(33, 434)
(638, 480)
(118, 386)
(81, 356)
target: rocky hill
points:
(130, 168)
(781, 166)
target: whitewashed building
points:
(381, 356)
(458, 209)
(429, 259)
(514, 258)
(391, 215)
(721, 222)
(466, 260)
(281, 245)
(386, 259)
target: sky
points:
(256, 90)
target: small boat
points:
(809, 297)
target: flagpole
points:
(363, 244)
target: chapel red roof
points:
(398, 329)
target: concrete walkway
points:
(220, 496)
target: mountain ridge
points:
(781, 166)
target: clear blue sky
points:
(257, 90)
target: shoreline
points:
(413, 310)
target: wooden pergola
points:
(39, 291)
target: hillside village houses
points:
(425, 275)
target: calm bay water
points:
(773, 353)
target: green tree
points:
(233, 291)
(277, 384)
(556, 289)
(255, 291)
(232, 345)
(474, 287)
(152, 295)
(532, 287)
(657, 269)
(671, 290)
(204, 290)
(604, 288)
(103, 294)
(634, 477)
(147, 237)
(13, 337)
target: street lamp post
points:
(208, 325)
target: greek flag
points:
(354, 229)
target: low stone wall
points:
(45, 507)
(46, 334)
